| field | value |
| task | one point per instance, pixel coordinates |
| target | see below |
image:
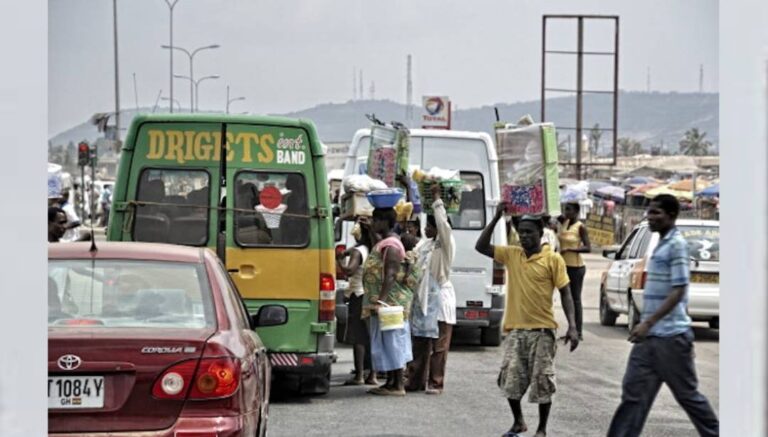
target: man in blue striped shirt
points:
(663, 350)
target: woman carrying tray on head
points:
(390, 349)
(574, 240)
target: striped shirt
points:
(668, 267)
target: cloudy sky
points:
(292, 54)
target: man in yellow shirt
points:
(533, 272)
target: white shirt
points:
(549, 237)
(356, 280)
(71, 234)
(440, 264)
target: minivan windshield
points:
(128, 294)
(703, 242)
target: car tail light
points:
(211, 378)
(306, 361)
(327, 298)
(173, 383)
(498, 274)
(339, 272)
(216, 378)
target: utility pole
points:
(360, 85)
(135, 93)
(372, 90)
(409, 94)
(354, 84)
(117, 87)
(701, 78)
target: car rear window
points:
(703, 242)
(130, 294)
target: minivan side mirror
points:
(270, 315)
(609, 253)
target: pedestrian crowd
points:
(394, 265)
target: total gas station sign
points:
(436, 112)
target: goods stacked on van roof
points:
(528, 167)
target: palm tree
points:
(625, 144)
(694, 144)
(562, 149)
(594, 138)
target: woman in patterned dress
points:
(391, 349)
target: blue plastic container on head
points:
(385, 198)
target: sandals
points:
(381, 391)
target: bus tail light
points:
(327, 298)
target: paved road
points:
(589, 387)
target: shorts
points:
(357, 331)
(529, 361)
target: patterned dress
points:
(373, 278)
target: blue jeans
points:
(652, 362)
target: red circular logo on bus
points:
(270, 197)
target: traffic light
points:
(83, 154)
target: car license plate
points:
(75, 392)
(705, 278)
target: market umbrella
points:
(611, 192)
(667, 189)
(640, 190)
(710, 191)
(687, 184)
(637, 181)
(596, 185)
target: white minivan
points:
(478, 281)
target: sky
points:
(289, 55)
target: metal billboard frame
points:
(579, 91)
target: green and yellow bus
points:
(254, 190)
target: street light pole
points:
(197, 89)
(171, 102)
(232, 100)
(171, 5)
(191, 57)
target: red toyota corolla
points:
(152, 339)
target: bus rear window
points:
(172, 207)
(271, 209)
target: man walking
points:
(533, 272)
(663, 350)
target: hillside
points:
(651, 118)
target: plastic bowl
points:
(385, 198)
